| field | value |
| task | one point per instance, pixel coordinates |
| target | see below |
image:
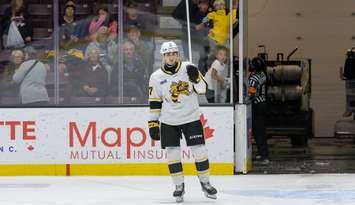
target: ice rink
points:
(320, 189)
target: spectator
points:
(70, 60)
(113, 28)
(31, 76)
(197, 8)
(91, 77)
(103, 18)
(199, 40)
(143, 49)
(132, 17)
(216, 77)
(219, 33)
(135, 75)
(199, 32)
(7, 85)
(17, 25)
(107, 49)
(70, 30)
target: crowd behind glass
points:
(103, 52)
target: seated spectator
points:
(113, 28)
(68, 61)
(70, 30)
(133, 65)
(144, 50)
(17, 26)
(103, 18)
(91, 78)
(107, 49)
(71, 40)
(7, 85)
(132, 18)
(216, 77)
(31, 77)
(135, 74)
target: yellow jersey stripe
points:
(155, 110)
(155, 99)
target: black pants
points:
(170, 135)
(259, 130)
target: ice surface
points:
(320, 189)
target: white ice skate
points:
(179, 193)
(208, 190)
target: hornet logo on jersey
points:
(178, 88)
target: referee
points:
(257, 95)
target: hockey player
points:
(174, 110)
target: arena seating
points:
(41, 12)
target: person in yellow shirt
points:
(219, 33)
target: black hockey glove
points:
(193, 73)
(154, 130)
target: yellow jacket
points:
(220, 30)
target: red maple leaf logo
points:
(30, 148)
(207, 131)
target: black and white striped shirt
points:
(257, 87)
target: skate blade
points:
(211, 196)
(179, 199)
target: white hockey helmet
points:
(168, 47)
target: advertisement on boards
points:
(100, 136)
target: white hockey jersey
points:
(173, 98)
